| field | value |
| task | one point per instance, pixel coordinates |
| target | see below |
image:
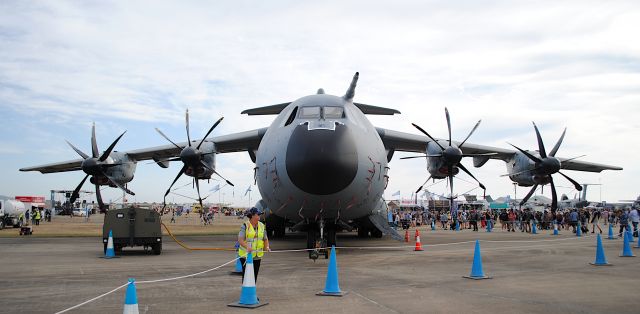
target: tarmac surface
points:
(531, 274)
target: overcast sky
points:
(136, 65)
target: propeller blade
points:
(83, 155)
(223, 178)
(187, 123)
(468, 136)
(554, 196)
(118, 184)
(199, 197)
(110, 165)
(555, 148)
(204, 164)
(94, 144)
(76, 192)
(534, 158)
(99, 198)
(184, 168)
(450, 169)
(526, 198)
(107, 152)
(427, 134)
(425, 182)
(575, 184)
(446, 113)
(210, 130)
(167, 138)
(469, 173)
(543, 152)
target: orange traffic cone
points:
(418, 244)
(417, 235)
(406, 236)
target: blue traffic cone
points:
(601, 260)
(433, 225)
(626, 248)
(476, 269)
(611, 237)
(579, 230)
(238, 269)
(534, 230)
(110, 252)
(248, 296)
(331, 286)
(555, 229)
(131, 298)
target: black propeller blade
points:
(452, 155)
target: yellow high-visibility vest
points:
(255, 239)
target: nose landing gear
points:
(319, 245)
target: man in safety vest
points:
(253, 239)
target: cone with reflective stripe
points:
(417, 235)
(238, 270)
(555, 228)
(476, 269)
(110, 252)
(579, 230)
(418, 244)
(611, 237)
(331, 286)
(248, 296)
(534, 229)
(626, 247)
(131, 298)
(601, 260)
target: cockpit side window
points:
(292, 116)
(310, 112)
(333, 112)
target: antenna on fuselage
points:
(352, 88)
(320, 91)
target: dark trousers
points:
(256, 267)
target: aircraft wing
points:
(407, 142)
(71, 165)
(236, 142)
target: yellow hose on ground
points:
(194, 248)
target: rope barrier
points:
(196, 248)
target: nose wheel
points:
(320, 245)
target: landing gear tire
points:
(1, 224)
(376, 233)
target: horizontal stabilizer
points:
(368, 109)
(260, 111)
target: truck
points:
(133, 226)
(11, 213)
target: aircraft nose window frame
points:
(332, 112)
(313, 112)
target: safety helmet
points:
(253, 211)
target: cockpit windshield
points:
(333, 112)
(310, 112)
(316, 112)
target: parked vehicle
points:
(11, 213)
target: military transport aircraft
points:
(320, 166)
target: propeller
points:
(451, 155)
(192, 158)
(96, 165)
(545, 166)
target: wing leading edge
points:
(236, 142)
(407, 142)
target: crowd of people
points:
(510, 220)
(34, 215)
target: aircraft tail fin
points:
(352, 88)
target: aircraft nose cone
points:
(550, 165)
(190, 155)
(320, 161)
